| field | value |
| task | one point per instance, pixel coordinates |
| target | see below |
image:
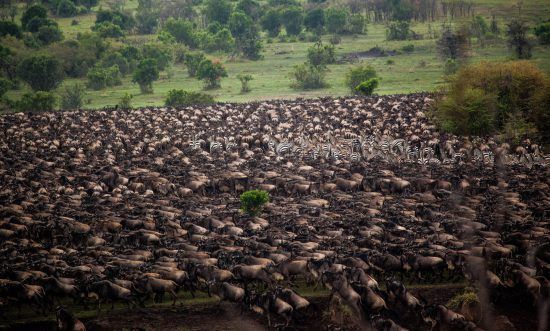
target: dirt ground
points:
(228, 317)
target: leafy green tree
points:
(247, 38)
(222, 40)
(217, 11)
(126, 101)
(66, 8)
(453, 44)
(320, 54)
(292, 19)
(336, 20)
(147, 21)
(123, 20)
(308, 77)
(10, 28)
(250, 8)
(211, 73)
(253, 201)
(193, 61)
(8, 64)
(182, 30)
(178, 98)
(542, 31)
(517, 39)
(314, 20)
(366, 88)
(5, 86)
(271, 22)
(356, 24)
(108, 30)
(116, 58)
(88, 3)
(73, 97)
(398, 30)
(48, 34)
(32, 12)
(146, 73)
(37, 101)
(161, 53)
(101, 77)
(359, 74)
(41, 72)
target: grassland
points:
(420, 70)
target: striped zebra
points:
(229, 145)
(412, 153)
(283, 148)
(313, 153)
(384, 146)
(397, 146)
(196, 143)
(354, 157)
(488, 157)
(215, 146)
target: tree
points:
(307, 76)
(253, 201)
(250, 8)
(217, 11)
(161, 53)
(357, 75)
(245, 79)
(5, 86)
(48, 34)
(367, 87)
(356, 24)
(10, 28)
(88, 3)
(177, 98)
(292, 18)
(320, 54)
(41, 72)
(182, 30)
(66, 8)
(517, 39)
(453, 44)
(211, 73)
(146, 73)
(34, 11)
(115, 58)
(336, 20)
(399, 30)
(542, 31)
(247, 38)
(315, 20)
(146, 21)
(193, 61)
(102, 77)
(271, 22)
(37, 101)
(73, 97)
(108, 30)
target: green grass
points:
(271, 73)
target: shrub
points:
(271, 22)
(108, 30)
(481, 98)
(314, 20)
(253, 201)
(217, 11)
(115, 58)
(292, 18)
(177, 98)
(308, 77)
(48, 34)
(453, 44)
(357, 75)
(245, 79)
(468, 297)
(221, 40)
(450, 67)
(159, 52)
(100, 77)
(408, 48)
(211, 73)
(356, 24)
(126, 101)
(146, 73)
(367, 87)
(123, 20)
(192, 61)
(517, 39)
(34, 11)
(73, 97)
(542, 31)
(390, 62)
(9, 28)
(399, 30)
(335, 39)
(37, 101)
(182, 30)
(320, 54)
(5, 86)
(66, 8)
(41, 72)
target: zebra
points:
(313, 153)
(354, 156)
(229, 145)
(488, 157)
(196, 143)
(215, 146)
(412, 152)
(283, 148)
(398, 144)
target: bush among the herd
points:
(357, 75)
(482, 98)
(211, 72)
(184, 98)
(73, 97)
(366, 88)
(253, 201)
(126, 101)
(37, 101)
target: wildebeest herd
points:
(366, 195)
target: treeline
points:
(418, 10)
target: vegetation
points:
(542, 31)
(146, 73)
(517, 39)
(357, 75)
(37, 101)
(73, 97)
(366, 88)
(41, 72)
(126, 101)
(177, 98)
(211, 72)
(253, 201)
(482, 98)
(245, 79)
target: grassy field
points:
(420, 70)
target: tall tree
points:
(517, 39)
(41, 72)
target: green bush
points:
(100, 77)
(66, 8)
(359, 74)
(450, 67)
(176, 98)
(126, 101)
(108, 30)
(192, 61)
(41, 72)
(10, 28)
(253, 201)
(307, 76)
(399, 30)
(5, 86)
(33, 12)
(182, 30)
(482, 98)
(356, 24)
(48, 34)
(146, 73)
(161, 53)
(292, 18)
(542, 31)
(211, 73)
(115, 58)
(37, 101)
(408, 48)
(245, 79)
(366, 88)
(320, 54)
(73, 97)
(271, 22)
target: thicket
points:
(253, 201)
(484, 98)
(358, 75)
(177, 98)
